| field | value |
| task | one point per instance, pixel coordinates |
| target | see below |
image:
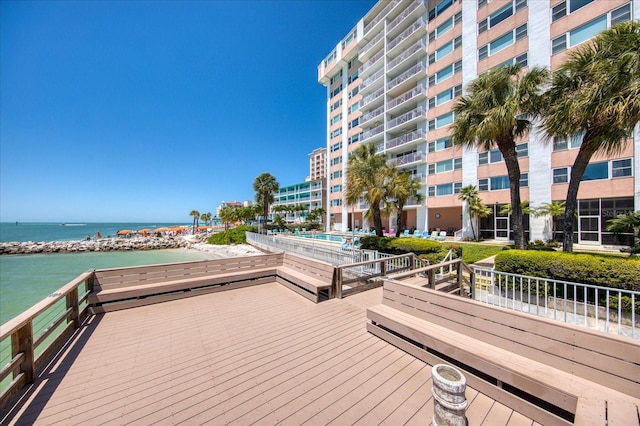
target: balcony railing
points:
(418, 112)
(417, 46)
(372, 43)
(413, 6)
(372, 132)
(418, 68)
(371, 61)
(372, 114)
(420, 23)
(420, 90)
(371, 96)
(408, 158)
(406, 138)
(379, 147)
(380, 16)
(372, 78)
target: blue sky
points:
(146, 110)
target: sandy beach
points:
(223, 251)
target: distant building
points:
(318, 164)
(309, 194)
(234, 204)
(393, 79)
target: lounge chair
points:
(434, 235)
(416, 233)
(406, 233)
(442, 236)
(425, 234)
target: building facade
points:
(318, 164)
(394, 78)
(309, 195)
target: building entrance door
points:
(502, 228)
(589, 230)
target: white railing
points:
(322, 250)
(421, 89)
(372, 132)
(380, 16)
(371, 79)
(372, 114)
(458, 235)
(407, 158)
(406, 138)
(413, 6)
(375, 58)
(420, 23)
(372, 43)
(606, 309)
(419, 45)
(406, 75)
(371, 96)
(408, 116)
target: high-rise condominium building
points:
(392, 82)
(318, 164)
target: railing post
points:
(337, 283)
(22, 342)
(472, 284)
(383, 267)
(431, 274)
(459, 272)
(72, 303)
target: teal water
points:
(27, 279)
(47, 231)
(326, 237)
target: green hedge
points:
(430, 250)
(616, 272)
(232, 236)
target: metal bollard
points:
(449, 402)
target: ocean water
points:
(27, 279)
(47, 231)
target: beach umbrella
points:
(124, 232)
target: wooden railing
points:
(456, 278)
(362, 274)
(30, 338)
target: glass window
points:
(457, 187)
(444, 50)
(524, 180)
(483, 157)
(558, 11)
(501, 43)
(621, 168)
(522, 150)
(495, 156)
(577, 4)
(431, 191)
(500, 15)
(440, 144)
(596, 171)
(559, 143)
(621, 14)
(444, 74)
(499, 182)
(443, 97)
(444, 120)
(483, 184)
(561, 175)
(444, 189)
(576, 139)
(588, 30)
(444, 166)
(444, 28)
(457, 163)
(432, 169)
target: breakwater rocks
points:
(105, 244)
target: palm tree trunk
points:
(513, 169)
(399, 219)
(577, 171)
(377, 219)
(473, 231)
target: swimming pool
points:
(325, 237)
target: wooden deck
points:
(255, 355)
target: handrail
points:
(29, 346)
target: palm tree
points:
(206, 217)
(595, 92)
(495, 112)
(554, 209)
(627, 223)
(367, 174)
(524, 206)
(196, 215)
(265, 186)
(228, 214)
(475, 207)
(400, 188)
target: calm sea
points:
(27, 279)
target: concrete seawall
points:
(106, 244)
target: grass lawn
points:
(473, 252)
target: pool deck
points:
(255, 355)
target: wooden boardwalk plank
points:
(255, 355)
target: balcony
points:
(368, 66)
(414, 157)
(408, 11)
(380, 16)
(411, 137)
(407, 118)
(371, 97)
(406, 96)
(368, 48)
(373, 132)
(406, 35)
(408, 75)
(371, 114)
(372, 79)
(412, 52)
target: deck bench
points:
(550, 371)
(122, 288)
(308, 277)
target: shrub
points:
(616, 272)
(430, 250)
(231, 236)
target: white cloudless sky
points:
(146, 110)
